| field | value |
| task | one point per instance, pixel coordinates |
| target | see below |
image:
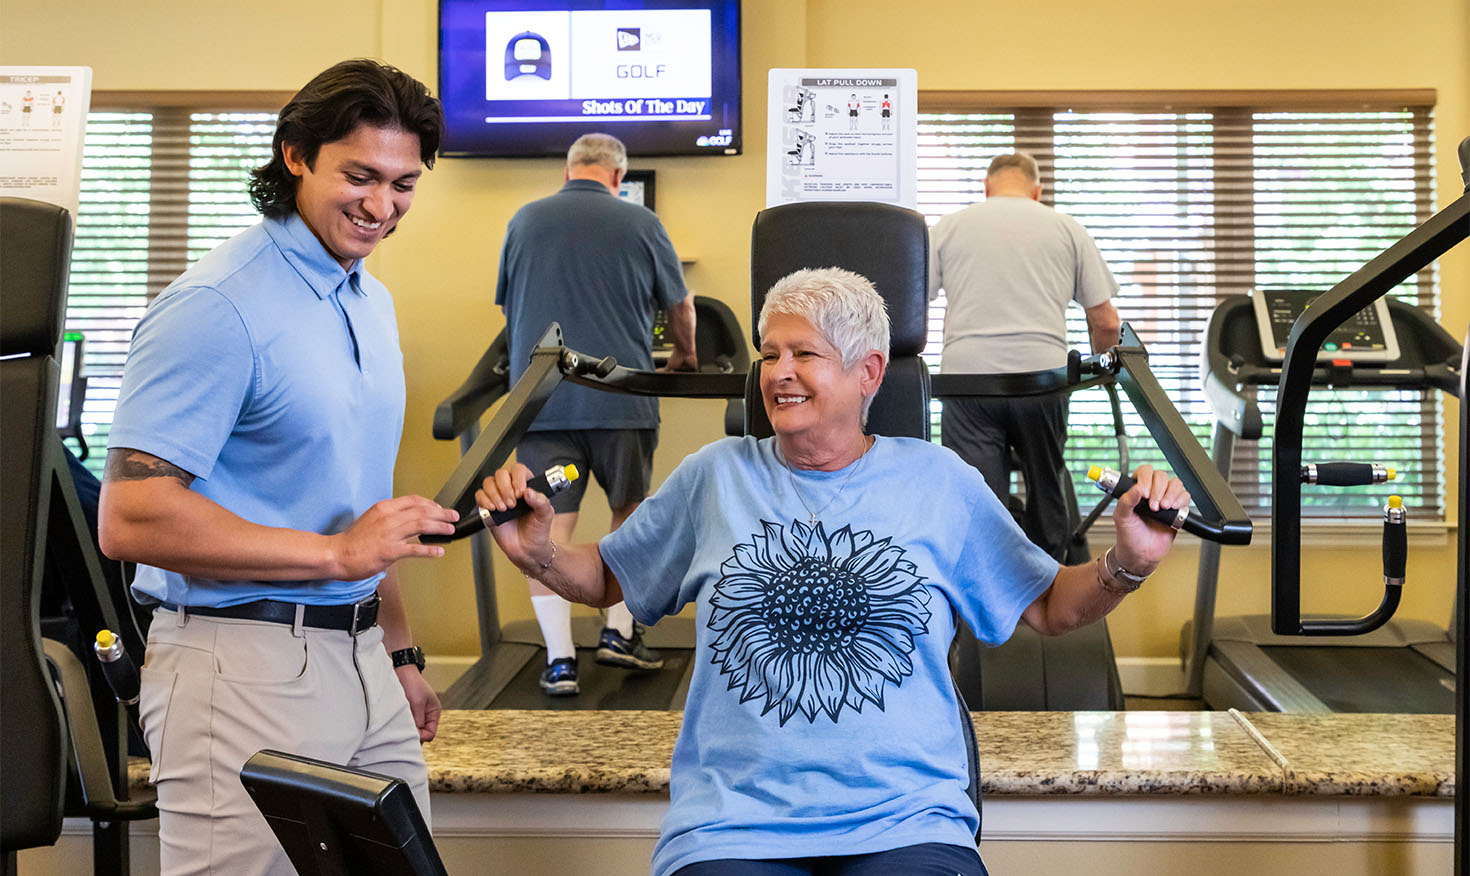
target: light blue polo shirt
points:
(275, 378)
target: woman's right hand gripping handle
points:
(525, 539)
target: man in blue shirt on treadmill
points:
(600, 267)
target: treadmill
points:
(1400, 666)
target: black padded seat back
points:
(35, 247)
(889, 245)
(36, 258)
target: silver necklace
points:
(812, 515)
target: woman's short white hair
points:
(841, 305)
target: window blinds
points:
(1191, 204)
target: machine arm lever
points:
(1220, 512)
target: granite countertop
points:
(1021, 753)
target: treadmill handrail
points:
(489, 379)
(1233, 409)
(482, 387)
(1337, 305)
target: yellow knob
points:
(1094, 472)
(1395, 502)
(105, 639)
(1392, 474)
(571, 472)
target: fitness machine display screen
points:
(527, 77)
(1367, 337)
(71, 369)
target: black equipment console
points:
(1368, 336)
(334, 821)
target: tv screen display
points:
(527, 77)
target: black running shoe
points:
(614, 650)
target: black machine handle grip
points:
(117, 667)
(1395, 557)
(1395, 542)
(553, 481)
(1116, 484)
(1346, 474)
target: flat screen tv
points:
(527, 77)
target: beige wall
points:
(441, 266)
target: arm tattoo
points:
(126, 464)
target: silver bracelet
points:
(1116, 579)
(551, 559)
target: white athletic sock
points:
(554, 614)
(620, 619)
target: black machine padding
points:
(887, 244)
(37, 254)
(34, 246)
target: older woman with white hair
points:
(827, 568)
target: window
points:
(161, 186)
(1193, 198)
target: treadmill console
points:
(1367, 337)
(663, 344)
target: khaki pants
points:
(215, 691)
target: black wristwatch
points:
(408, 657)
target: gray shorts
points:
(620, 459)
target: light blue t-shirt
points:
(274, 377)
(821, 719)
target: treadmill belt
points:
(1388, 680)
(603, 687)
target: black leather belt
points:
(355, 618)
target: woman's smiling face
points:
(806, 390)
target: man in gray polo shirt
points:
(600, 267)
(1009, 266)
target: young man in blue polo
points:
(250, 475)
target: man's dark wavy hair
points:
(329, 108)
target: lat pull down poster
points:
(842, 135)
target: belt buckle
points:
(359, 607)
